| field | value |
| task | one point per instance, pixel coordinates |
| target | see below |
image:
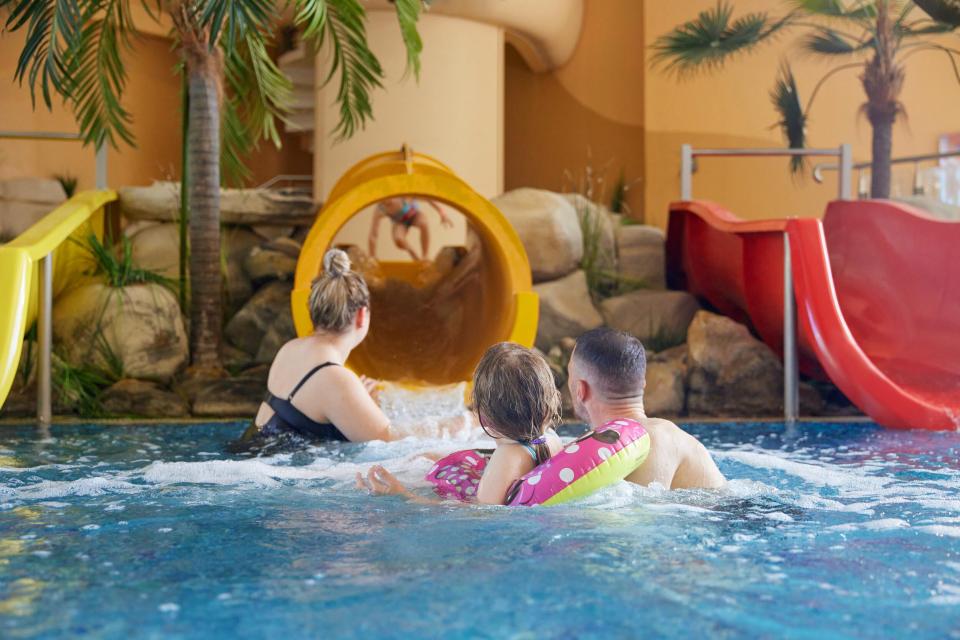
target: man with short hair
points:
(607, 375)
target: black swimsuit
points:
(287, 417)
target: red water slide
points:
(877, 288)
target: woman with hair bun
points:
(309, 391)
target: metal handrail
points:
(826, 166)
(844, 155)
(285, 178)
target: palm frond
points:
(793, 120)
(943, 11)
(408, 13)
(53, 26)
(709, 40)
(97, 76)
(828, 42)
(258, 94)
(238, 18)
(341, 23)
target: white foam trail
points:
(815, 474)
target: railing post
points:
(101, 176)
(791, 375)
(845, 177)
(686, 172)
(45, 340)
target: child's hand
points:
(380, 482)
(446, 222)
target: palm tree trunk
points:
(880, 168)
(205, 279)
(882, 81)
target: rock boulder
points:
(641, 255)
(566, 310)
(548, 228)
(161, 201)
(731, 372)
(268, 306)
(140, 398)
(137, 328)
(23, 201)
(659, 318)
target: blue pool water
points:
(826, 531)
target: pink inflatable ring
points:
(594, 461)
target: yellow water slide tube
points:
(415, 338)
(19, 269)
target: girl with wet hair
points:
(517, 403)
(310, 393)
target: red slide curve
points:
(877, 287)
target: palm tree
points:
(874, 36)
(235, 92)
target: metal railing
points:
(844, 155)
(306, 180)
(45, 284)
(918, 189)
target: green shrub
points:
(115, 264)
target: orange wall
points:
(153, 98)
(592, 105)
(731, 107)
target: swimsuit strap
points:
(304, 379)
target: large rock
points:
(597, 221)
(268, 306)
(23, 201)
(140, 398)
(641, 255)
(275, 260)
(280, 332)
(548, 228)
(731, 372)
(665, 392)
(157, 248)
(137, 328)
(161, 201)
(566, 310)
(659, 318)
(238, 397)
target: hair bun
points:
(336, 262)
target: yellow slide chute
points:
(411, 340)
(19, 264)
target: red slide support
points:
(877, 288)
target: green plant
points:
(78, 50)
(80, 386)
(68, 182)
(115, 264)
(599, 262)
(664, 338)
(876, 36)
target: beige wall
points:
(592, 105)
(455, 113)
(152, 97)
(732, 108)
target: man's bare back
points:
(677, 460)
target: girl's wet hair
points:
(337, 294)
(515, 395)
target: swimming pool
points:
(146, 531)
